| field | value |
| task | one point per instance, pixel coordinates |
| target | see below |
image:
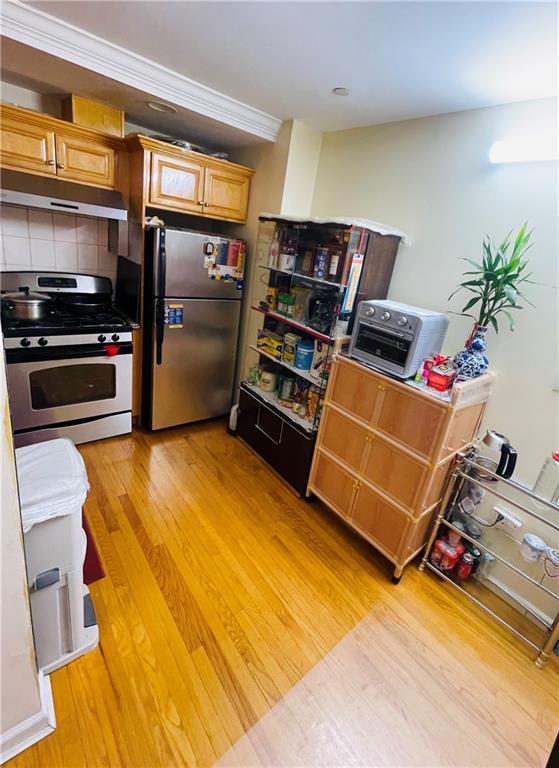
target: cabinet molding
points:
(383, 453)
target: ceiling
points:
(399, 59)
(46, 74)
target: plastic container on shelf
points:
(304, 355)
(547, 484)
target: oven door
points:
(62, 384)
(384, 348)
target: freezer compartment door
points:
(183, 266)
(196, 351)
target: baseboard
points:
(35, 728)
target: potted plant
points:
(496, 286)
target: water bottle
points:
(547, 484)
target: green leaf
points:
(494, 323)
(511, 294)
(511, 319)
(471, 303)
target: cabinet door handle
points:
(201, 202)
(207, 205)
(50, 162)
(61, 166)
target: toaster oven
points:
(394, 337)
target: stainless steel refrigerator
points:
(192, 313)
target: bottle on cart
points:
(547, 484)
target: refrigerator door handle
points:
(159, 330)
(161, 264)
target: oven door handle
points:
(37, 355)
(387, 331)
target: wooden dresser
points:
(383, 452)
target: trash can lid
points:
(52, 480)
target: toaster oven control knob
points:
(385, 316)
(370, 311)
(115, 337)
(25, 343)
(402, 320)
(43, 342)
(101, 338)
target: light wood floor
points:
(225, 596)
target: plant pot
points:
(471, 362)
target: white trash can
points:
(53, 486)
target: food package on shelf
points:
(300, 397)
(320, 366)
(270, 342)
(290, 342)
(313, 399)
(302, 296)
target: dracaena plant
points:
(497, 283)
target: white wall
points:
(25, 696)
(283, 182)
(50, 104)
(431, 178)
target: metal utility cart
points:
(519, 497)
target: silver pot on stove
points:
(23, 305)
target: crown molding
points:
(39, 30)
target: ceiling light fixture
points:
(160, 106)
(340, 91)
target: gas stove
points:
(81, 311)
(69, 374)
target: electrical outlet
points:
(505, 518)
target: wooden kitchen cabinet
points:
(358, 392)
(43, 145)
(384, 450)
(379, 520)
(176, 183)
(346, 439)
(226, 193)
(83, 160)
(337, 486)
(27, 147)
(190, 182)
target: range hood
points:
(64, 196)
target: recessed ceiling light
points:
(160, 106)
(340, 91)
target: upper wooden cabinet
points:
(43, 145)
(27, 147)
(226, 193)
(189, 182)
(176, 183)
(82, 160)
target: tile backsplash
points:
(56, 242)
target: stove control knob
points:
(43, 342)
(115, 337)
(101, 338)
(25, 343)
(402, 320)
(370, 311)
(385, 316)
